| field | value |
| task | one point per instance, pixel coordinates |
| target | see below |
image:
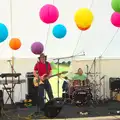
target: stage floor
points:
(106, 111)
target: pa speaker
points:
(53, 107)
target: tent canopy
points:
(27, 26)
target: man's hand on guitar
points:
(44, 77)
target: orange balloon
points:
(86, 28)
(15, 43)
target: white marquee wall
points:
(109, 67)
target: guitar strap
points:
(46, 67)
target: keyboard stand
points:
(10, 90)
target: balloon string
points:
(47, 36)
(81, 31)
(77, 42)
(91, 4)
(48, 30)
(11, 17)
(53, 2)
(11, 23)
(109, 43)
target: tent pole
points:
(58, 77)
(12, 76)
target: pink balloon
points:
(49, 13)
(115, 19)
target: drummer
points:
(78, 79)
(80, 75)
(69, 82)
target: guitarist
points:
(41, 68)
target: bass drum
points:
(82, 97)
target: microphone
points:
(8, 60)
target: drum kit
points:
(79, 93)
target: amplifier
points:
(114, 84)
(1, 101)
(30, 78)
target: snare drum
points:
(80, 83)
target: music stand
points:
(58, 62)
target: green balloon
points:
(116, 5)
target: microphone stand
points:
(58, 61)
(13, 71)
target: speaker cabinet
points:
(114, 84)
(30, 78)
(114, 88)
(1, 101)
(31, 89)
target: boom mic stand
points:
(58, 60)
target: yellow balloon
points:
(83, 17)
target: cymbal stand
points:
(58, 62)
(95, 85)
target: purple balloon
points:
(37, 48)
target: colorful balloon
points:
(59, 31)
(49, 13)
(83, 17)
(116, 5)
(3, 32)
(15, 43)
(37, 48)
(115, 19)
(83, 29)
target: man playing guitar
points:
(42, 72)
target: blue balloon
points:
(3, 32)
(59, 31)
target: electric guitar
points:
(37, 81)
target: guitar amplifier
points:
(30, 77)
(114, 84)
(114, 88)
(1, 102)
(31, 89)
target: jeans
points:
(40, 94)
(65, 86)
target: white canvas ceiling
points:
(27, 26)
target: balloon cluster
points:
(49, 14)
(115, 17)
(83, 18)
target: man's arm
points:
(35, 73)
